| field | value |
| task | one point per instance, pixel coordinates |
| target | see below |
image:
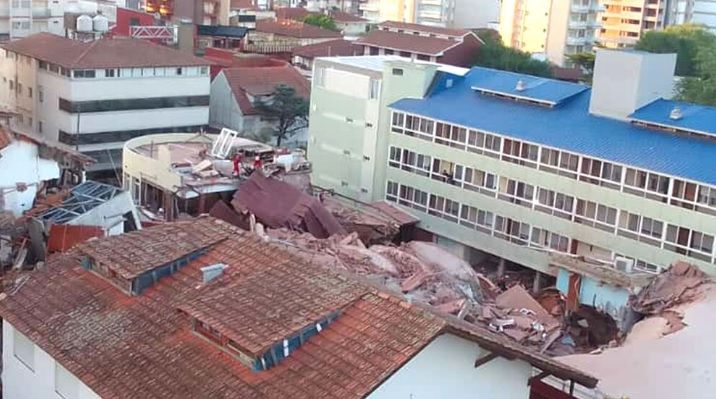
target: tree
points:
(700, 89)
(583, 60)
(322, 21)
(289, 111)
(684, 40)
(493, 54)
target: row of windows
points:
(678, 192)
(641, 228)
(123, 72)
(486, 222)
(119, 135)
(132, 104)
(481, 220)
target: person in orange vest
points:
(237, 164)
(258, 163)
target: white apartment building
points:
(549, 29)
(96, 95)
(701, 12)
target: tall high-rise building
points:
(701, 12)
(460, 14)
(551, 28)
(624, 21)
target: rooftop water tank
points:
(100, 23)
(84, 23)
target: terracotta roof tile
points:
(340, 16)
(423, 28)
(104, 53)
(124, 346)
(132, 254)
(407, 42)
(293, 13)
(258, 81)
(330, 48)
(294, 29)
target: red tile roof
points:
(340, 16)
(407, 42)
(331, 48)
(293, 13)
(132, 254)
(423, 28)
(294, 29)
(127, 347)
(104, 53)
(258, 81)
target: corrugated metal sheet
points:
(63, 236)
(696, 118)
(568, 126)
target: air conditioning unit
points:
(623, 264)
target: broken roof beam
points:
(485, 359)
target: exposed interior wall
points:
(20, 163)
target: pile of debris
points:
(680, 284)
(428, 274)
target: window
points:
(179, 71)
(391, 192)
(132, 103)
(203, 71)
(702, 242)
(397, 72)
(29, 92)
(374, 89)
(23, 349)
(19, 88)
(596, 215)
(110, 73)
(39, 126)
(66, 384)
(84, 73)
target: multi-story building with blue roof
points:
(608, 183)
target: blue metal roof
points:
(568, 126)
(694, 118)
(538, 89)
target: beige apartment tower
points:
(550, 29)
(624, 21)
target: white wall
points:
(19, 382)
(624, 81)
(109, 215)
(223, 109)
(446, 369)
(20, 163)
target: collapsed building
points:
(145, 314)
(178, 175)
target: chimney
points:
(626, 80)
(209, 273)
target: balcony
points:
(578, 41)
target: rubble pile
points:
(426, 273)
(680, 284)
